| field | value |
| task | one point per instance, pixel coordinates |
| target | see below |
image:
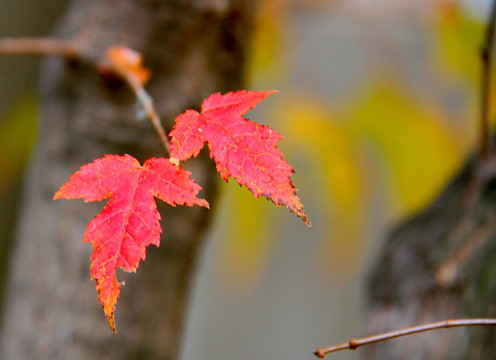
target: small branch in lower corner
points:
(353, 344)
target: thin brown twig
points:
(39, 46)
(70, 50)
(354, 344)
(486, 57)
(147, 104)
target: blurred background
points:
(378, 104)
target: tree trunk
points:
(440, 265)
(194, 48)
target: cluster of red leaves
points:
(129, 222)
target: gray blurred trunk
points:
(440, 265)
(194, 48)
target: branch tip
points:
(126, 63)
(319, 353)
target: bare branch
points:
(69, 49)
(354, 344)
(486, 57)
(147, 102)
(39, 46)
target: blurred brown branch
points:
(71, 49)
(40, 46)
(486, 57)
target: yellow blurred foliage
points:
(309, 125)
(268, 39)
(246, 241)
(413, 138)
(381, 125)
(271, 33)
(407, 134)
(311, 128)
(18, 130)
(457, 38)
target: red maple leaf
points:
(241, 148)
(130, 221)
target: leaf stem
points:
(147, 102)
(486, 57)
(354, 344)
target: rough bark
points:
(194, 48)
(440, 265)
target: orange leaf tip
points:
(128, 63)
